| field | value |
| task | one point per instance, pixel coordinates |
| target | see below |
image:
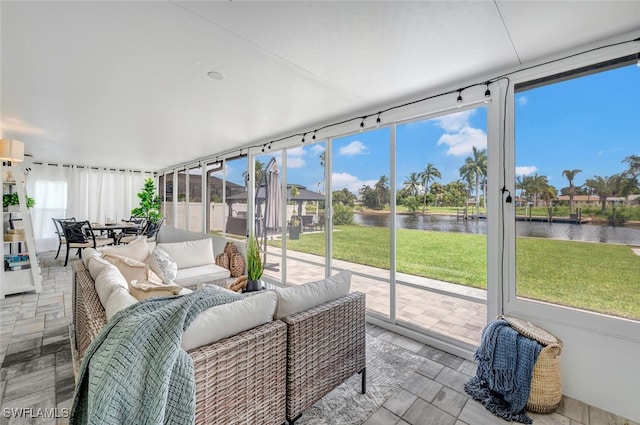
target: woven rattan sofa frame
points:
(325, 346)
(239, 380)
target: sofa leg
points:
(363, 372)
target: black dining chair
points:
(79, 234)
(150, 230)
(60, 232)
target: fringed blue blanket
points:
(135, 372)
(505, 364)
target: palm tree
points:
(570, 174)
(536, 185)
(548, 194)
(634, 164)
(603, 187)
(259, 170)
(475, 169)
(382, 188)
(523, 185)
(429, 172)
(412, 184)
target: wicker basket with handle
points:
(546, 381)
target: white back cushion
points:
(229, 319)
(294, 299)
(190, 253)
(108, 281)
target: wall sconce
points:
(11, 150)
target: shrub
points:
(342, 214)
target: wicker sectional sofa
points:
(239, 380)
(264, 375)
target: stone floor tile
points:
(450, 401)
(27, 344)
(574, 409)
(382, 417)
(468, 368)
(401, 341)
(22, 356)
(423, 413)
(430, 368)
(30, 366)
(550, 419)
(452, 379)
(441, 357)
(422, 386)
(475, 414)
(39, 381)
(400, 402)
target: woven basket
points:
(230, 248)
(236, 265)
(546, 381)
(222, 260)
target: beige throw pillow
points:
(138, 249)
(132, 269)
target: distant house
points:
(590, 200)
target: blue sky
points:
(590, 123)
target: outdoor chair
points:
(61, 239)
(307, 221)
(150, 230)
(79, 234)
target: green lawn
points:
(598, 277)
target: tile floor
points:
(37, 371)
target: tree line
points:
(421, 189)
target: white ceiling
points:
(123, 84)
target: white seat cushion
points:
(202, 274)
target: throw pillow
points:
(132, 269)
(138, 249)
(163, 265)
(143, 290)
(294, 299)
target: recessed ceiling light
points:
(215, 75)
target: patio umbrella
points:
(273, 193)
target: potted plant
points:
(149, 203)
(254, 265)
(10, 199)
(294, 227)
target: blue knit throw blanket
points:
(505, 364)
(135, 371)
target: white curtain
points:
(47, 185)
(80, 192)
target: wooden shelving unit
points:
(20, 271)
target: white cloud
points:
(351, 182)
(354, 148)
(463, 140)
(316, 149)
(295, 157)
(522, 100)
(526, 170)
(454, 122)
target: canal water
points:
(563, 231)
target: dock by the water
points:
(551, 219)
